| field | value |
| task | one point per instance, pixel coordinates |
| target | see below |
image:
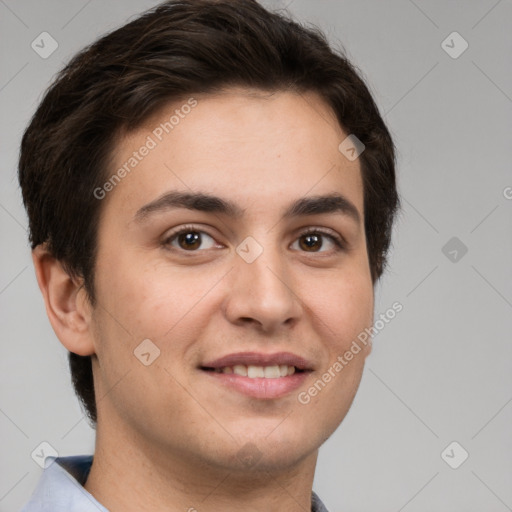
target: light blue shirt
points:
(60, 488)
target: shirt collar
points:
(60, 488)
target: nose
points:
(262, 293)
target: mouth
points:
(258, 375)
(256, 372)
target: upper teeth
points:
(268, 372)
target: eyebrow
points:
(334, 203)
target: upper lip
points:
(260, 359)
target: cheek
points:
(147, 300)
(345, 311)
(138, 306)
(344, 307)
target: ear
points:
(66, 301)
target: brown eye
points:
(187, 239)
(312, 241)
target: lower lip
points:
(260, 387)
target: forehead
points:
(259, 148)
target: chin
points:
(272, 451)
(251, 459)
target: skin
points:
(167, 437)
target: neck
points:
(129, 475)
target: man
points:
(210, 192)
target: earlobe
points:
(67, 308)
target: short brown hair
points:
(179, 48)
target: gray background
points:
(441, 370)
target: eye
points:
(313, 239)
(188, 238)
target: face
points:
(223, 326)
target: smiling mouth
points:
(259, 375)
(254, 372)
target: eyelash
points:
(338, 242)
